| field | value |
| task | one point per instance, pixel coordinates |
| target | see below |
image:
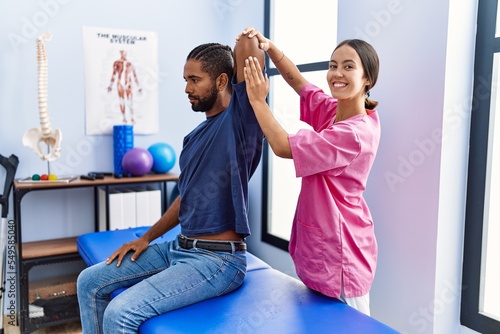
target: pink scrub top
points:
(333, 242)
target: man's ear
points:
(222, 81)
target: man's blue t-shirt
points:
(217, 160)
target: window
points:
(480, 309)
(309, 44)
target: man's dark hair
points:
(215, 59)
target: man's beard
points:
(205, 103)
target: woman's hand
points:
(257, 88)
(256, 83)
(251, 32)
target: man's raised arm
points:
(244, 48)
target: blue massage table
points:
(267, 302)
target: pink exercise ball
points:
(137, 161)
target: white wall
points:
(403, 189)
(417, 188)
(456, 122)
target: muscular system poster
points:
(121, 80)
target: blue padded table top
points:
(95, 247)
(267, 302)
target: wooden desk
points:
(26, 186)
(34, 255)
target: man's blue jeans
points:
(164, 277)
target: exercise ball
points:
(137, 161)
(163, 157)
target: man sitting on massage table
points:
(217, 160)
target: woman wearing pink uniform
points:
(333, 243)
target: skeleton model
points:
(33, 137)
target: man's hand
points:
(137, 246)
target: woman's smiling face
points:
(345, 76)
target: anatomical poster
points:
(121, 80)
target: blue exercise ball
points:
(163, 157)
(137, 161)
